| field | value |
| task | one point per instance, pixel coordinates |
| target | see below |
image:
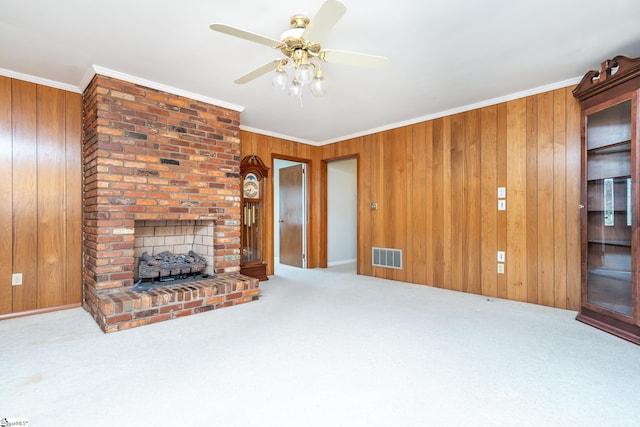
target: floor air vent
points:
(384, 257)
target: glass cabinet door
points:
(609, 209)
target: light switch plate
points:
(502, 205)
(500, 256)
(502, 192)
(16, 279)
(500, 268)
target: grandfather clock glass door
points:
(610, 213)
(254, 174)
(251, 233)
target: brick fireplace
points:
(157, 161)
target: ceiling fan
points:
(302, 52)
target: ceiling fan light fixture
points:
(304, 73)
(295, 88)
(280, 79)
(317, 85)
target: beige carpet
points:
(324, 348)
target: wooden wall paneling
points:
(573, 200)
(458, 212)
(366, 195)
(516, 267)
(263, 148)
(25, 190)
(472, 274)
(446, 206)
(375, 237)
(316, 248)
(388, 195)
(380, 217)
(559, 198)
(532, 199)
(488, 201)
(73, 197)
(412, 245)
(51, 186)
(329, 151)
(427, 143)
(266, 147)
(437, 202)
(247, 143)
(399, 178)
(322, 227)
(361, 209)
(418, 188)
(546, 207)
(501, 168)
(6, 197)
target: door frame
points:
(307, 206)
(324, 226)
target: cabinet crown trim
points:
(613, 72)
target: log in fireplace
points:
(166, 265)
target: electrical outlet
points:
(500, 268)
(500, 256)
(374, 206)
(16, 279)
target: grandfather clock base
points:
(259, 271)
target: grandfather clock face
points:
(251, 186)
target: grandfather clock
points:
(254, 174)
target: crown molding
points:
(445, 113)
(165, 88)
(279, 135)
(39, 80)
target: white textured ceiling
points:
(445, 54)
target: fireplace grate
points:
(180, 279)
(166, 264)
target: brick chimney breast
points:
(154, 156)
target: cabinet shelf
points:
(618, 178)
(624, 243)
(619, 147)
(621, 275)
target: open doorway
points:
(342, 212)
(289, 213)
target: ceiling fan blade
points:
(237, 32)
(254, 74)
(328, 15)
(352, 58)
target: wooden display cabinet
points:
(254, 174)
(610, 196)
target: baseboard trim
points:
(343, 262)
(39, 311)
